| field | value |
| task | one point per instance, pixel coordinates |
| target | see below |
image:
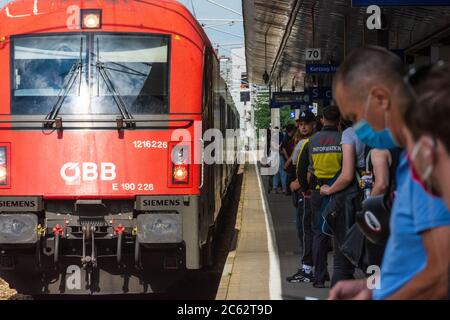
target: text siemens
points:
(162, 203)
(21, 204)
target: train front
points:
(97, 195)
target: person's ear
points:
(428, 148)
(381, 98)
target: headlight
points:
(91, 19)
(160, 228)
(18, 228)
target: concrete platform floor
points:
(267, 249)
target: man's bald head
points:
(367, 66)
(369, 86)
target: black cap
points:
(306, 116)
(331, 113)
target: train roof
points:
(41, 16)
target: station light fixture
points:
(91, 19)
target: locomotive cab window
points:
(90, 74)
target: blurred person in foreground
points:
(370, 90)
(428, 136)
(427, 132)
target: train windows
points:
(133, 66)
(40, 70)
(138, 69)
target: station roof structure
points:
(277, 33)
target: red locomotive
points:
(96, 194)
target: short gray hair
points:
(364, 66)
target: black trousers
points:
(343, 269)
(304, 228)
(374, 253)
(320, 239)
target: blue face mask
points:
(369, 136)
(376, 139)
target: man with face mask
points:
(370, 91)
(428, 135)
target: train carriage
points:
(97, 194)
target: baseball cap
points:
(307, 116)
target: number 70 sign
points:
(313, 54)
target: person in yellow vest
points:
(320, 163)
(305, 129)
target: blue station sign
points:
(320, 93)
(292, 114)
(398, 3)
(321, 68)
(281, 99)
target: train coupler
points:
(89, 262)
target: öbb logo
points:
(73, 172)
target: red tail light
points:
(4, 166)
(180, 161)
(181, 173)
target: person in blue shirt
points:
(370, 91)
(428, 135)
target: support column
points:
(275, 116)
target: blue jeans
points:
(280, 175)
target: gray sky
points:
(206, 10)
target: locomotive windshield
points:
(85, 74)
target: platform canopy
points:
(278, 32)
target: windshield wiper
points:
(101, 69)
(72, 76)
(116, 96)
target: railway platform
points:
(266, 249)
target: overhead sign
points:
(398, 3)
(313, 54)
(281, 99)
(321, 68)
(292, 115)
(320, 93)
(245, 96)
